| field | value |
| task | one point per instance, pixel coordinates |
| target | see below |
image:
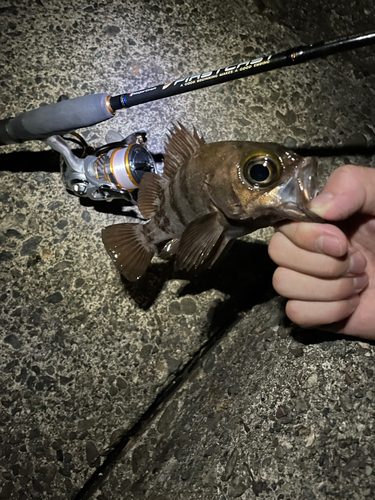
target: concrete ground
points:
(178, 388)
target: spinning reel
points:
(111, 171)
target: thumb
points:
(350, 189)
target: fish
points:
(208, 195)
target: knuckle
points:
(342, 310)
(343, 290)
(332, 268)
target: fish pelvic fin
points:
(128, 248)
(149, 192)
(201, 243)
(181, 145)
(170, 249)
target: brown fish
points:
(208, 195)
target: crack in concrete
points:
(133, 434)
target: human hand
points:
(328, 271)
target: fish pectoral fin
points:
(149, 192)
(170, 249)
(127, 247)
(201, 243)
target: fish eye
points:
(261, 170)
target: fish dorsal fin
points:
(201, 243)
(128, 248)
(180, 147)
(149, 194)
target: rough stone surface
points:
(293, 428)
(268, 412)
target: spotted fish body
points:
(208, 195)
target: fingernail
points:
(360, 282)
(321, 203)
(329, 245)
(357, 263)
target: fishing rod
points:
(65, 116)
(115, 169)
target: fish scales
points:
(208, 195)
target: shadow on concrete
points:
(244, 275)
(49, 161)
(28, 161)
(323, 337)
(332, 151)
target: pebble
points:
(174, 307)
(121, 383)
(111, 30)
(6, 491)
(188, 306)
(164, 424)
(62, 224)
(282, 411)
(237, 487)
(288, 119)
(55, 298)
(210, 451)
(311, 381)
(290, 142)
(13, 233)
(310, 438)
(186, 474)
(5, 256)
(13, 341)
(92, 453)
(79, 282)
(30, 246)
(297, 352)
(356, 139)
(229, 468)
(54, 204)
(346, 403)
(173, 364)
(86, 216)
(210, 479)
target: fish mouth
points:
(297, 191)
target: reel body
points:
(113, 171)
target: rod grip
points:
(56, 119)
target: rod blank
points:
(65, 116)
(290, 57)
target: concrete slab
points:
(86, 355)
(270, 412)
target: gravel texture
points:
(176, 387)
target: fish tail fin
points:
(129, 249)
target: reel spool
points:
(124, 166)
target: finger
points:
(322, 238)
(294, 285)
(357, 325)
(285, 254)
(348, 190)
(312, 314)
